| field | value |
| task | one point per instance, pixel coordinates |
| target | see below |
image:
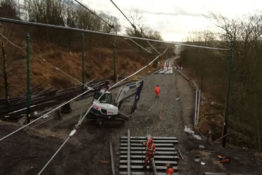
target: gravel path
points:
(88, 151)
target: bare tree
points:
(246, 35)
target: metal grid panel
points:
(132, 153)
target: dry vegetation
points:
(98, 64)
(210, 69)
(51, 48)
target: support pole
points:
(112, 159)
(128, 153)
(83, 60)
(154, 166)
(28, 95)
(228, 93)
(4, 72)
(114, 61)
(195, 113)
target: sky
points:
(175, 19)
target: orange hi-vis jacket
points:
(157, 90)
(170, 171)
(150, 149)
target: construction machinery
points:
(105, 108)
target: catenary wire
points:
(77, 126)
(104, 33)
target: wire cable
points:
(133, 25)
(139, 45)
(138, 70)
(57, 151)
(123, 14)
(12, 43)
(9, 20)
(110, 25)
(61, 71)
(77, 126)
(44, 115)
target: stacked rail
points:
(132, 155)
(14, 107)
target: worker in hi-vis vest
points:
(150, 152)
(157, 91)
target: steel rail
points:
(43, 116)
(77, 126)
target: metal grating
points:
(133, 146)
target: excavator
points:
(105, 108)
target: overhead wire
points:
(82, 30)
(91, 11)
(102, 33)
(77, 126)
(179, 12)
(81, 113)
(113, 26)
(57, 151)
(133, 25)
(123, 14)
(45, 115)
(63, 72)
(88, 31)
(12, 43)
(139, 45)
(43, 60)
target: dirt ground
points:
(88, 151)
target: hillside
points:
(46, 56)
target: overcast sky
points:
(175, 18)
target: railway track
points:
(14, 107)
(132, 155)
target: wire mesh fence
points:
(61, 58)
(210, 70)
(57, 63)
